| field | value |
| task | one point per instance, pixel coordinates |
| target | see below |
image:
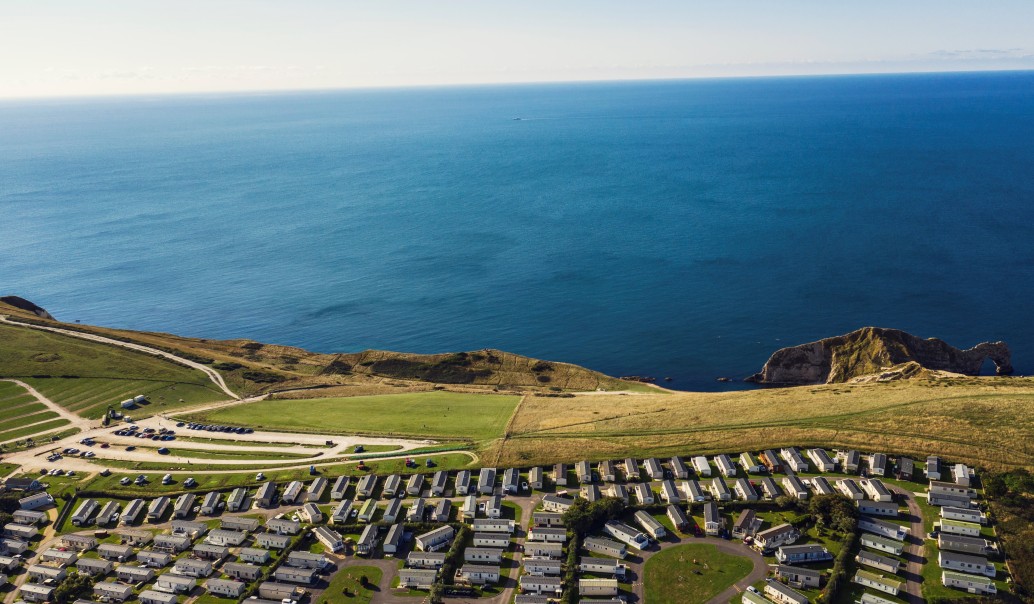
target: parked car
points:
(125, 481)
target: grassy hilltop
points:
(987, 421)
(515, 410)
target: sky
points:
(110, 47)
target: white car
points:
(125, 481)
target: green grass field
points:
(673, 576)
(427, 414)
(86, 376)
(348, 578)
(21, 416)
(91, 397)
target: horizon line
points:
(461, 84)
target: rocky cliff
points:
(871, 350)
(23, 304)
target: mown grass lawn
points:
(91, 397)
(349, 578)
(33, 430)
(429, 414)
(87, 376)
(692, 573)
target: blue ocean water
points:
(682, 229)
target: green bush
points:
(262, 377)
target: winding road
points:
(212, 374)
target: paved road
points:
(212, 374)
(914, 547)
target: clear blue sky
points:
(78, 47)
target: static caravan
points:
(850, 489)
(210, 504)
(416, 510)
(882, 528)
(822, 460)
(751, 464)
(392, 486)
(693, 491)
(367, 540)
(463, 482)
(293, 492)
(669, 493)
(340, 488)
(878, 582)
(583, 471)
(535, 478)
(439, 482)
(237, 499)
(654, 469)
(679, 468)
(486, 481)
(770, 487)
(650, 525)
(631, 467)
(745, 490)
(643, 493)
(970, 583)
(560, 475)
(720, 490)
(393, 511)
(881, 563)
(626, 534)
(712, 519)
(725, 465)
(602, 545)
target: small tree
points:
(75, 586)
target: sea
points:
(681, 229)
